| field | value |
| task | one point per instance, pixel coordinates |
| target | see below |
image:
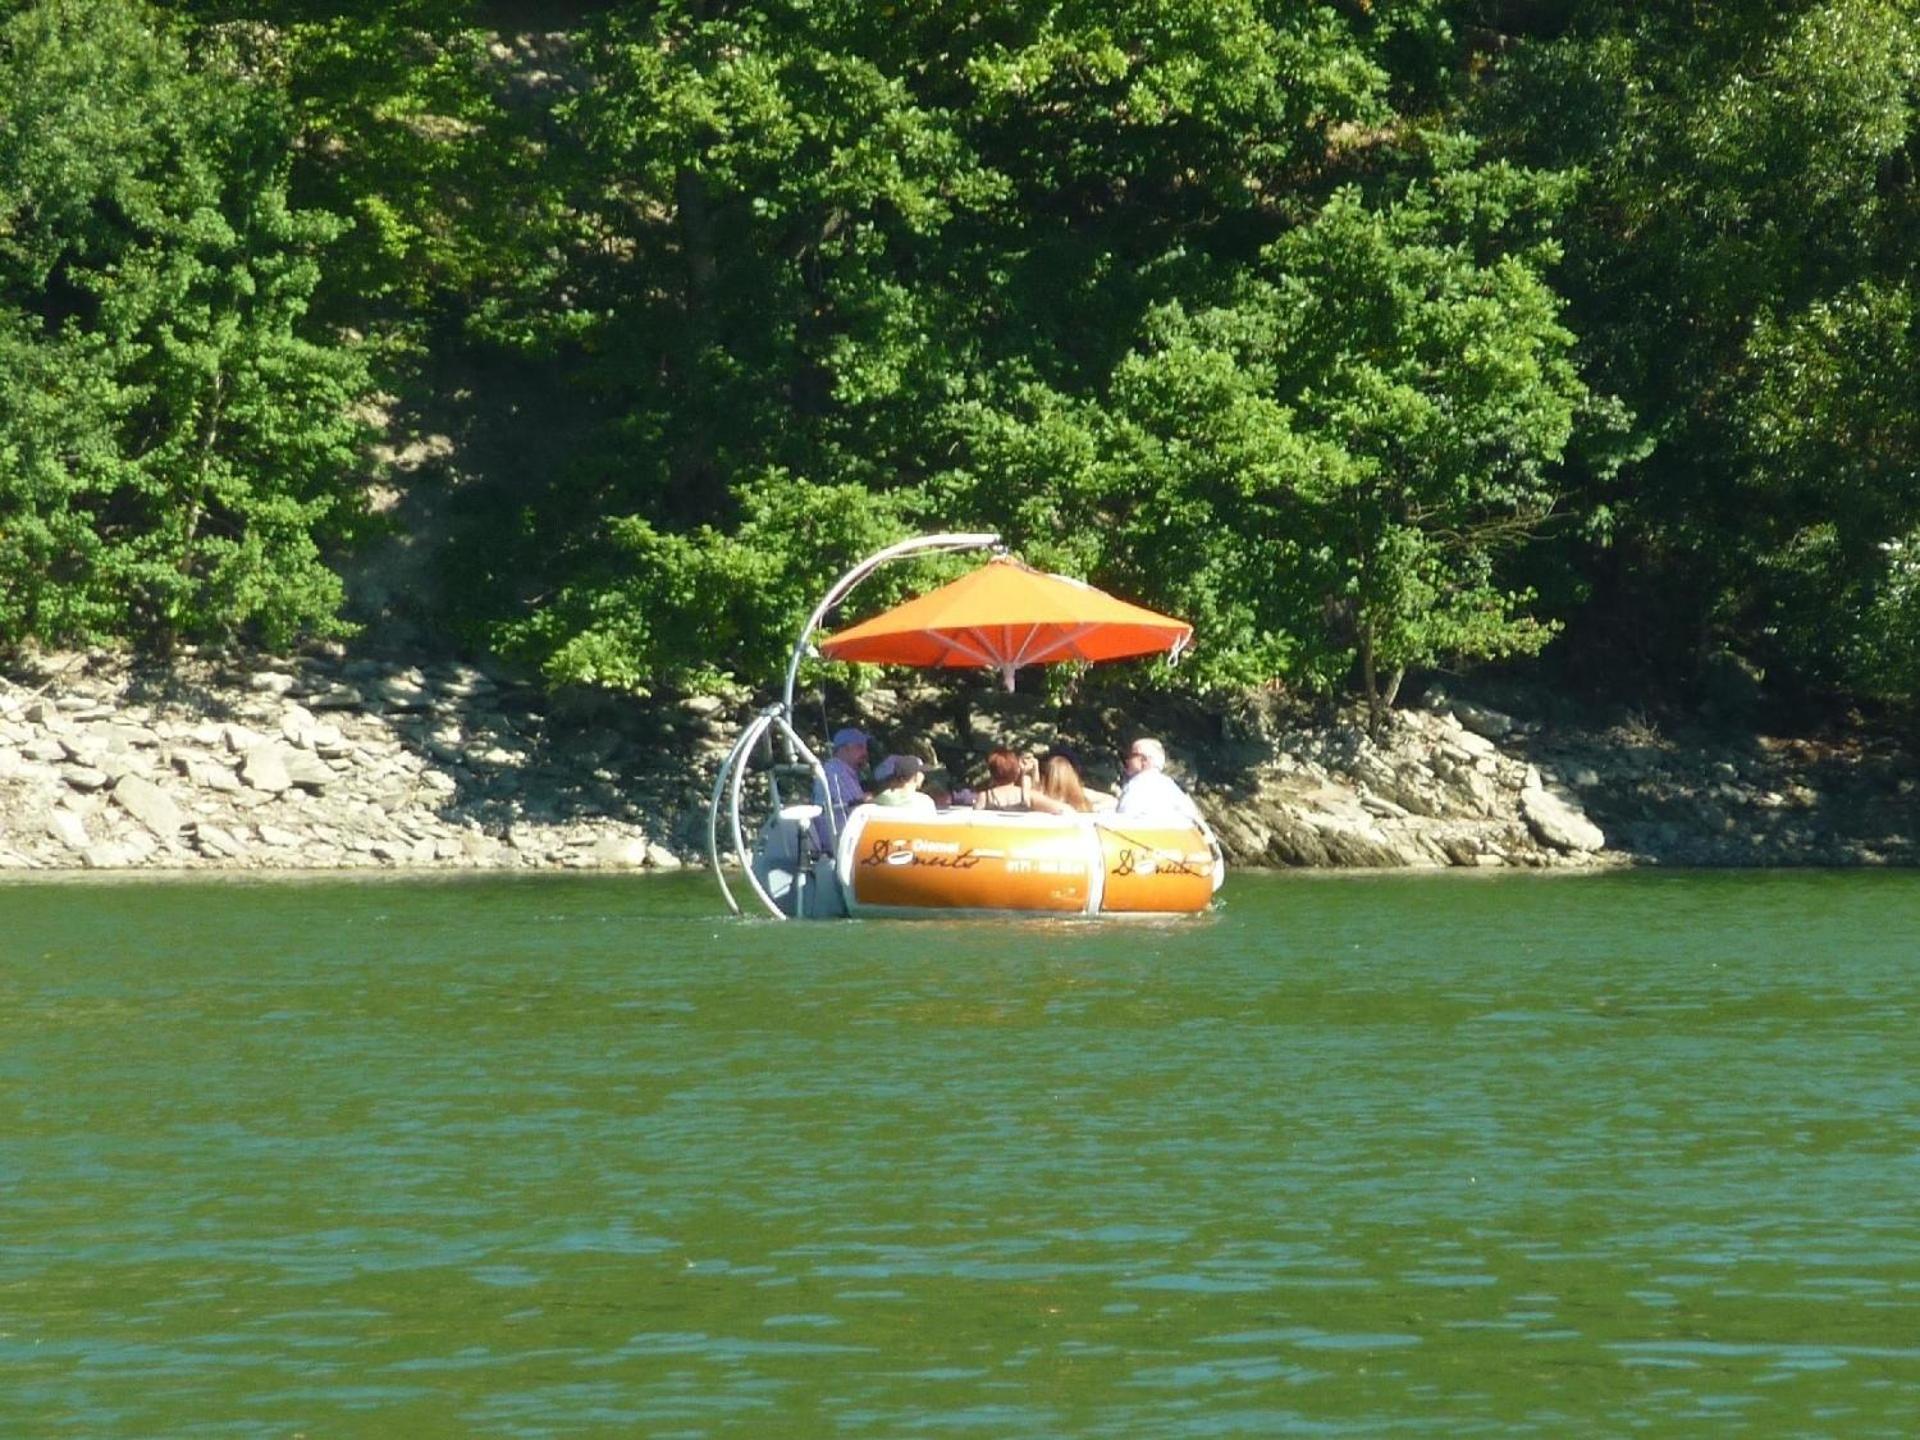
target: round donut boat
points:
(978, 862)
(886, 861)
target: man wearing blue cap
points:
(843, 790)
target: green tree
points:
(175, 448)
(1324, 471)
(1741, 264)
(842, 249)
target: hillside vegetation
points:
(1366, 336)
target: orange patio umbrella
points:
(1005, 615)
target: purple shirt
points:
(843, 792)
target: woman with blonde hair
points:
(1060, 780)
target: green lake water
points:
(1448, 1156)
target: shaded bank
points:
(327, 761)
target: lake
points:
(1355, 1155)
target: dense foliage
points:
(1367, 337)
(173, 451)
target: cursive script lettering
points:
(1133, 862)
(894, 852)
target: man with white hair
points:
(1149, 789)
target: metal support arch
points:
(730, 779)
(735, 760)
(976, 540)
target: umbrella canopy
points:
(1005, 615)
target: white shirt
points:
(1154, 792)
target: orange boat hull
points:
(983, 861)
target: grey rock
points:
(619, 852)
(463, 681)
(84, 778)
(1356, 846)
(327, 742)
(239, 739)
(150, 805)
(1242, 836)
(307, 771)
(1477, 746)
(1554, 822)
(68, 828)
(212, 775)
(213, 840)
(481, 849)
(404, 691)
(296, 722)
(271, 682)
(1487, 723)
(109, 855)
(265, 770)
(1293, 843)
(275, 836)
(661, 858)
(596, 747)
(335, 697)
(116, 764)
(83, 748)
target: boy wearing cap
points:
(843, 790)
(900, 778)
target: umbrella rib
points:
(1021, 656)
(1069, 643)
(977, 652)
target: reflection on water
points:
(1352, 1156)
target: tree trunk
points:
(1392, 692)
(1370, 680)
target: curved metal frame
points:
(730, 780)
(922, 544)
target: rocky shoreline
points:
(324, 763)
(331, 762)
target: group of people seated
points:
(1049, 784)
